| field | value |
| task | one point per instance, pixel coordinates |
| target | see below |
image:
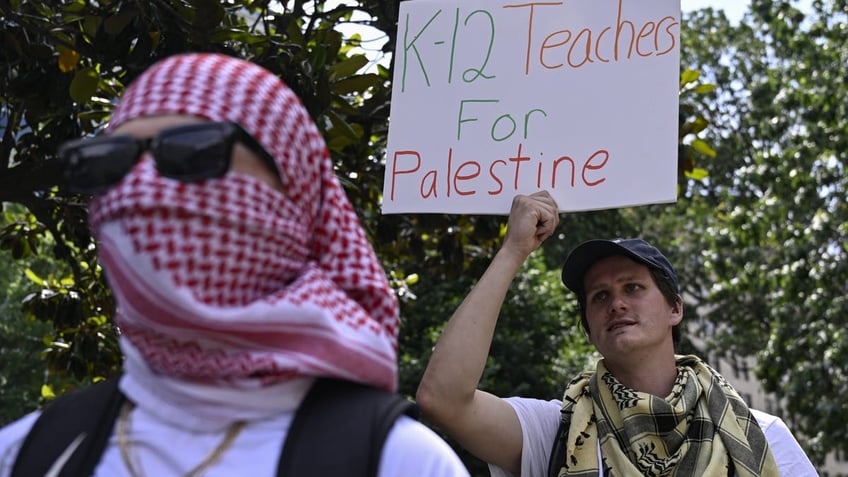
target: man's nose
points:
(617, 304)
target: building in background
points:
(739, 372)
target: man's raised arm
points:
(484, 424)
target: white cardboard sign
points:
(495, 97)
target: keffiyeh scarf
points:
(702, 428)
(228, 281)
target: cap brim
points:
(587, 254)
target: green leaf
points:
(91, 24)
(77, 6)
(209, 13)
(349, 66)
(689, 76)
(84, 85)
(704, 88)
(93, 115)
(115, 24)
(704, 148)
(698, 125)
(47, 391)
(342, 127)
(697, 174)
(319, 58)
(357, 84)
(33, 277)
(20, 249)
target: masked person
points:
(240, 272)
(644, 411)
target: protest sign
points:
(494, 97)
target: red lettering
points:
(518, 159)
(495, 176)
(464, 177)
(556, 167)
(539, 175)
(468, 178)
(595, 167)
(395, 170)
(448, 175)
(432, 177)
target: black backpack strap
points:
(558, 450)
(74, 427)
(340, 428)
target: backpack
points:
(349, 419)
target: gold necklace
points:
(209, 460)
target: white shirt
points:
(174, 426)
(411, 450)
(540, 420)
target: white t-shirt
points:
(540, 420)
(173, 429)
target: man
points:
(241, 275)
(644, 411)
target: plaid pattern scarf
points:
(702, 428)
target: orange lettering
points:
(649, 26)
(545, 46)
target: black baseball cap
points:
(588, 253)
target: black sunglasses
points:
(190, 153)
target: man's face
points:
(626, 311)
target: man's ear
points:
(589, 338)
(677, 311)
(587, 335)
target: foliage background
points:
(758, 233)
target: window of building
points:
(741, 370)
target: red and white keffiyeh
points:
(228, 281)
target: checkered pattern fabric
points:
(702, 428)
(231, 281)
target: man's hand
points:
(532, 219)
